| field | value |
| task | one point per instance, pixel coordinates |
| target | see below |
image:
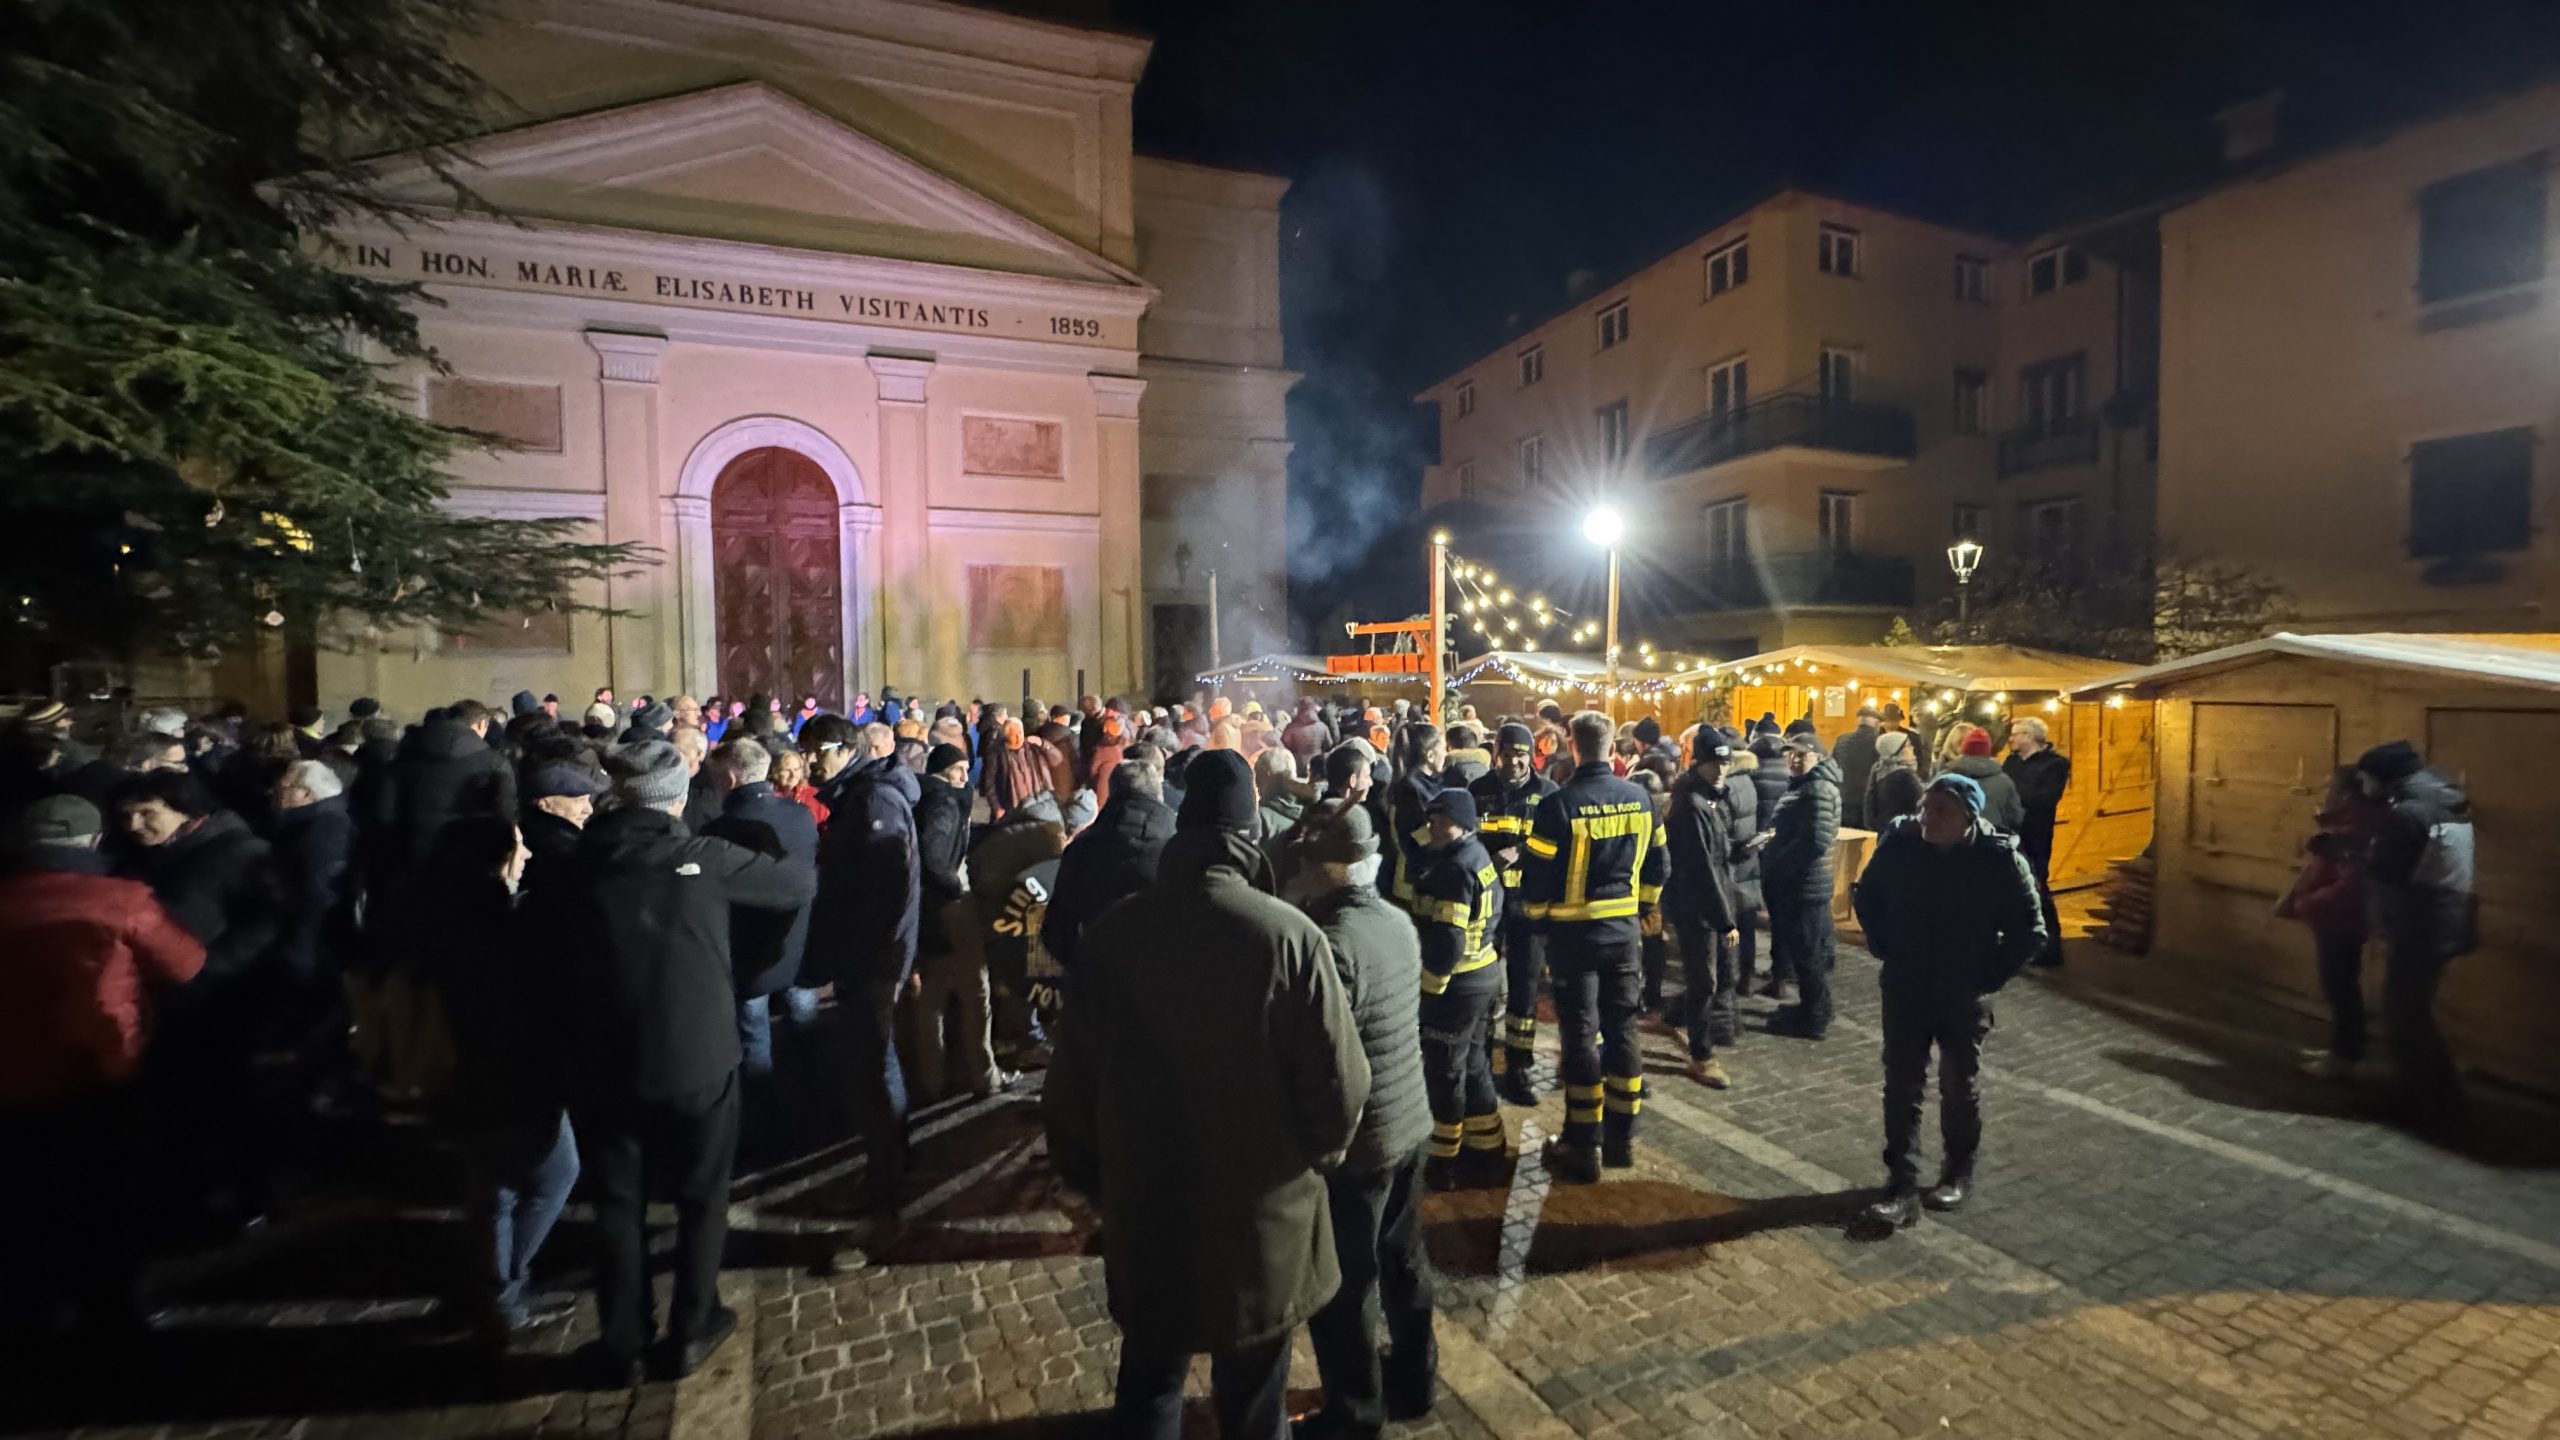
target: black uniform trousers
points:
(1712, 972)
(1956, 1026)
(1800, 945)
(2040, 864)
(1455, 1070)
(1598, 979)
(626, 1148)
(1373, 1337)
(1524, 964)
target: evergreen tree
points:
(197, 440)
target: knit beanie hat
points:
(2391, 760)
(1338, 831)
(523, 703)
(1963, 787)
(654, 715)
(1514, 736)
(1648, 731)
(600, 714)
(943, 756)
(1454, 805)
(1217, 794)
(1977, 741)
(1709, 745)
(653, 774)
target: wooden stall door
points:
(2106, 814)
(777, 581)
(2254, 780)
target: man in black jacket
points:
(1699, 898)
(641, 923)
(559, 800)
(1796, 879)
(1114, 858)
(951, 954)
(1376, 1193)
(1457, 907)
(765, 945)
(2041, 774)
(862, 939)
(1506, 798)
(451, 772)
(2420, 870)
(1949, 907)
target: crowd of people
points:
(1285, 973)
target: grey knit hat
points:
(653, 774)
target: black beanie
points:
(2391, 760)
(1648, 731)
(1217, 794)
(943, 757)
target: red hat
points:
(1977, 741)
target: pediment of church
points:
(747, 162)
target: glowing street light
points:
(1604, 527)
(1964, 557)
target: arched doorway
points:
(777, 584)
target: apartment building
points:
(1798, 413)
(2360, 358)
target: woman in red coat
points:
(2328, 895)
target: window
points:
(2049, 393)
(1533, 461)
(2480, 231)
(1533, 364)
(1729, 267)
(1728, 534)
(2050, 271)
(1839, 521)
(1836, 250)
(2469, 494)
(1968, 523)
(1973, 279)
(1838, 373)
(1972, 413)
(1729, 386)
(2053, 532)
(1613, 326)
(1613, 431)
(1466, 398)
(1466, 479)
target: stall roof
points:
(1556, 668)
(1965, 667)
(1271, 667)
(2531, 660)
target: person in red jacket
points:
(80, 952)
(2328, 895)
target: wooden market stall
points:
(2248, 737)
(1278, 680)
(2106, 814)
(1516, 682)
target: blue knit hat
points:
(1967, 792)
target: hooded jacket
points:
(1895, 752)
(315, 848)
(2421, 866)
(449, 773)
(1856, 756)
(640, 924)
(1700, 826)
(2000, 804)
(1950, 925)
(942, 848)
(1797, 860)
(86, 951)
(863, 927)
(2040, 780)
(219, 881)
(1742, 804)
(1380, 962)
(1115, 857)
(1212, 1069)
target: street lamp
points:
(1964, 557)
(1605, 528)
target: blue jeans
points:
(520, 1176)
(879, 1088)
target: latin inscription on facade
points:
(751, 294)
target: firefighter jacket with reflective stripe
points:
(1406, 817)
(1457, 905)
(1595, 855)
(1503, 813)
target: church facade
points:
(866, 320)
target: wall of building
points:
(2299, 364)
(2243, 757)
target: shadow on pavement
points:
(1626, 1224)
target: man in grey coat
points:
(1210, 1069)
(1376, 1194)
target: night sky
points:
(1456, 165)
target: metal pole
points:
(1439, 638)
(1215, 659)
(1609, 700)
(1964, 593)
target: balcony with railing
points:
(2049, 446)
(1800, 579)
(1875, 434)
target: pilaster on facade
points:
(627, 357)
(901, 379)
(642, 652)
(900, 384)
(1115, 408)
(1115, 397)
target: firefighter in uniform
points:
(1457, 908)
(1420, 752)
(1506, 799)
(1595, 866)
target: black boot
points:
(1513, 1084)
(1949, 1192)
(1440, 1172)
(1899, 1210)
(1572, 1164)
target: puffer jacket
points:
(1949, 924)
(1742, 803)
(1115, 857)
(450, 773)
(2421, 866)
(1380, 961)
(864, 923)
(2000, 803)
(1700, 891)
(1797, 859)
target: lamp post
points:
(1604, 527)
(1964, 557)
(1438, 639)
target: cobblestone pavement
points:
(2172, 1236)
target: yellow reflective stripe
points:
(1434, 984)
(1503, 824)
(1511, 879)
(1476, 961)
(1444, 1141)
(1617, 909)
(1538, 909)
(1522, 1028)
(1627, 1105)
(1540, 846)
(1449, 912)
(1484, 1132)
(1624, 1082)
(1648, 893)
(1582, 1092)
